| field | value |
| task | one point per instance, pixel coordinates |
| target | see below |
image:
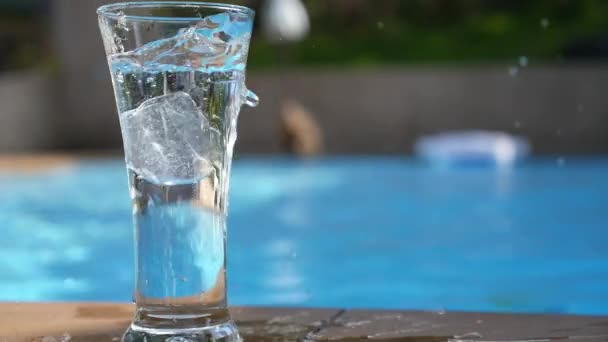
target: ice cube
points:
(169, 140)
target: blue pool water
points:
(360, 232)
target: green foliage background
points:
(374, 33)
(380, 32)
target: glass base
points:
(225, 332)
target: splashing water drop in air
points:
(523, 61)
(544, 23)
(122, 19)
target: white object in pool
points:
(473, 147)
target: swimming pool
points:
(342, 232)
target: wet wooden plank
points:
(280, 324)
(359, 325)
(31, 322)
(106, 322)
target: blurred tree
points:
(368, 33)
(23, 33)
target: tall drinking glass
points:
(178, 71)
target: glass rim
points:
(111, 10)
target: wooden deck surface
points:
(74, 322)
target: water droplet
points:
(523, 61)
(558, 132)
(178, 339)
(441, 312)
(561, 161)
(580, 108)
(544, 23)
(65, 337)
(479, 321)
(517, 124)
(121, 21)
(294, 255)
(251, 99)
(468, 336)
(354, 324)
(380, 25)
(120, 77)
(513, 71)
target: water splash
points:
(121, 20)
(474, 335)
(523, 61)
(63, 338)
(216, 43)
(354, 324)
(544, 23)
